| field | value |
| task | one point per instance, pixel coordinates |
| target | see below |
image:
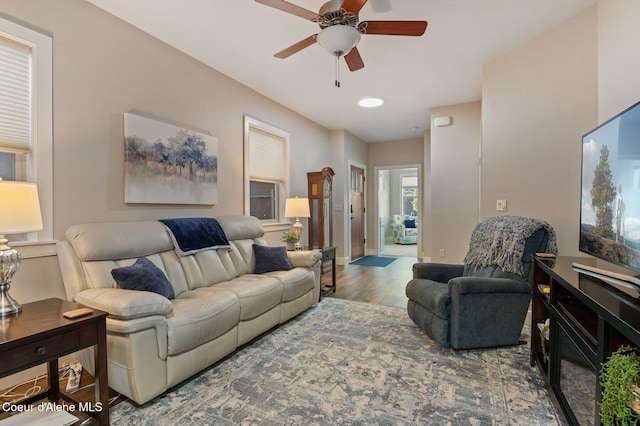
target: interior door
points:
(357, 210)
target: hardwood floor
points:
(372, 284)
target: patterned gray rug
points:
(351, 363)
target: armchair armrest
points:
(304, 258)
(480, 285)
(439, 272)
(125, 304)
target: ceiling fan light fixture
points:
(338, 40)
(370, 102)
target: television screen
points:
(610, 201)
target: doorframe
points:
(364, 203)
(377, 170)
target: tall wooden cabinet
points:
(320, 226)
(320, 187)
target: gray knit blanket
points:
(500, 240)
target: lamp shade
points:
(20, 210)
(338, 39)
(297, 207)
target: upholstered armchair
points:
(405, 229)
(483, 302)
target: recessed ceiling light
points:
(370, 102)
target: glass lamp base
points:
(10, 261)
(8, 305)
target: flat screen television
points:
(610, 201)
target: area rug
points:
(374, 261)
(352, 363)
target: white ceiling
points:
(412, 74)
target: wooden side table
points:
(41, 334)
(328, 267)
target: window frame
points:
(402, 176)
(276, 193)
(282, 187)
(39, 163)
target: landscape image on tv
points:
(610, 201)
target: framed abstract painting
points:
(168, 164)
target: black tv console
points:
(589, 318)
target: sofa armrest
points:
(480, 285)
(304, 258)
(130, 326)
(439, 272)
(125, 304)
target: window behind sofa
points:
(26, 136)
(16, 129)
(266, 170)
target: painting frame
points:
(166, 163)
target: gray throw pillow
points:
(143, 275)
(270, 259)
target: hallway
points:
(403, 250)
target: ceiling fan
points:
(340, 29)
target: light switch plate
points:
(501, 205)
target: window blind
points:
(266, 156)
(16, 129)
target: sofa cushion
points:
(143, 275)
(269, 259)
(118, 240)
(257, 293)
(241, 227)
(409, 223)
(199, 317)
(295, 282)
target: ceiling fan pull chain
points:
(338, 71)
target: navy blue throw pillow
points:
(269, 259)
(143, 275)
(409, 223)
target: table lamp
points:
(297, 207)
(20, 214)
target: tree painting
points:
(167, 164)
(603, 192)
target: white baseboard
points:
(343, 260)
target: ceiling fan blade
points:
(290, 8)
(353, 59)
(401, 28)
(353, 5)
(295, 48)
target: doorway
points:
(356, 212)
(398, 210)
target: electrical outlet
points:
(442, 253)
(501, 205)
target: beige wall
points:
(346, 149)
(104, 67)
(618, 58)
(453, 182)
(537, 102)
(391, 154)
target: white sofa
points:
(155, 343)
